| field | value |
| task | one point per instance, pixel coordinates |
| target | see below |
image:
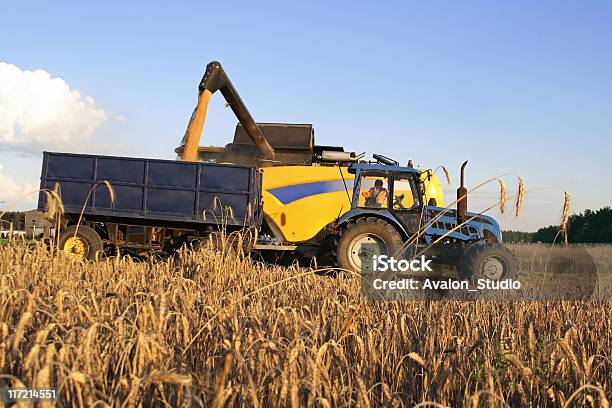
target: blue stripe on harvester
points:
(288, 194)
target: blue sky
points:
(519, 87)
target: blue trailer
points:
(157, 204)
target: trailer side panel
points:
(151, 189)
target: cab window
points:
(404, 192)
(373, 191)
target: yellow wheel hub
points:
(75, 248)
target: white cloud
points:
(10, 190)
(39, 112)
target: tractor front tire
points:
(361, 239)
(84, 245)
(488, 261)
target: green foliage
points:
(593, 227)
(16, 217)
(547, 234)
(518, 237)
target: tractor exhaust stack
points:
(462, 197)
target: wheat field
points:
(215, 329)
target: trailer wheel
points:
(84, 245)
(489, 261)
(362, 239)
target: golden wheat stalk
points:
(111, 193)
(54, 207)
(520, 195)
(603, 401)
(447, 175)
(565, 216)
(502, 196)
(417, 359)
(222, 372)
(168, 377)
(347, 325)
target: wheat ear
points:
(502, 196)
(520, 195)
(447, 175)
(565, 216)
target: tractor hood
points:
(480, 224)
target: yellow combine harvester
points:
(306, 187)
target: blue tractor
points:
(388, 217)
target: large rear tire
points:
(489, 261)
(361, 239)
(86, 244)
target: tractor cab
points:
(385, 187)
(392, 192)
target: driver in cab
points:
(376, 196)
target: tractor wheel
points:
(84, 245)
(489, 261)
(363, 238)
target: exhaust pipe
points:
(462, 197)
(215, 79)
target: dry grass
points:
(120, 333)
